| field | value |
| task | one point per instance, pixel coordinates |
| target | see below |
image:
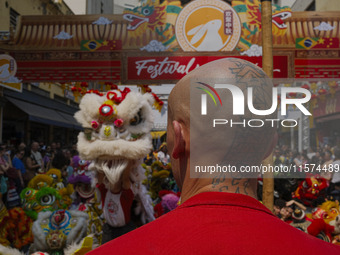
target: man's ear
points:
(179, 142)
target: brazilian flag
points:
(306, 43)
(90, 45)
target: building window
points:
(13, 18)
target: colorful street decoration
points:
(101, 45)
(8, 67)
(208, 26)
(249, 12)
(156, 17)
(317, 43)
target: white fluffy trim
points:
(99, 149)
(9, 251)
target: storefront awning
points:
(328, 118)
(45, 115)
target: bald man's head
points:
(235, 142)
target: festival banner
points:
(141, 69)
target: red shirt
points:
(218, 223)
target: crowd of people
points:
(318, 181)
(19, 164)
(322, 163)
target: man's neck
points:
(232, 185)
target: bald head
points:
(234, 142)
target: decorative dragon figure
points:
(249, 12)
(156, 17)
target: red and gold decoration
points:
(322, 93)
(158, 104)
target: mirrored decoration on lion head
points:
(54, 231)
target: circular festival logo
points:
(8, 67)
(208, 25)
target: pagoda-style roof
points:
(303, 24)
(37, 33)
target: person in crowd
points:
(334, 188)
(7, 154)
(5, 167)
(47, 157)
(54, 147)
(219, 215)
(4, 164)
(69, 167)
(327, 159)
(34, 163)
(20, 166)
(278, 205)
(59, 161)
(22, 146)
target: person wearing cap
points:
(219, 215)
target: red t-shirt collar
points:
(224, 198)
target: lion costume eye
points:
(137, 119)
(47, 200)
(28, 193)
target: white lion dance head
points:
(117, 128)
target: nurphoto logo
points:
(238, 99)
